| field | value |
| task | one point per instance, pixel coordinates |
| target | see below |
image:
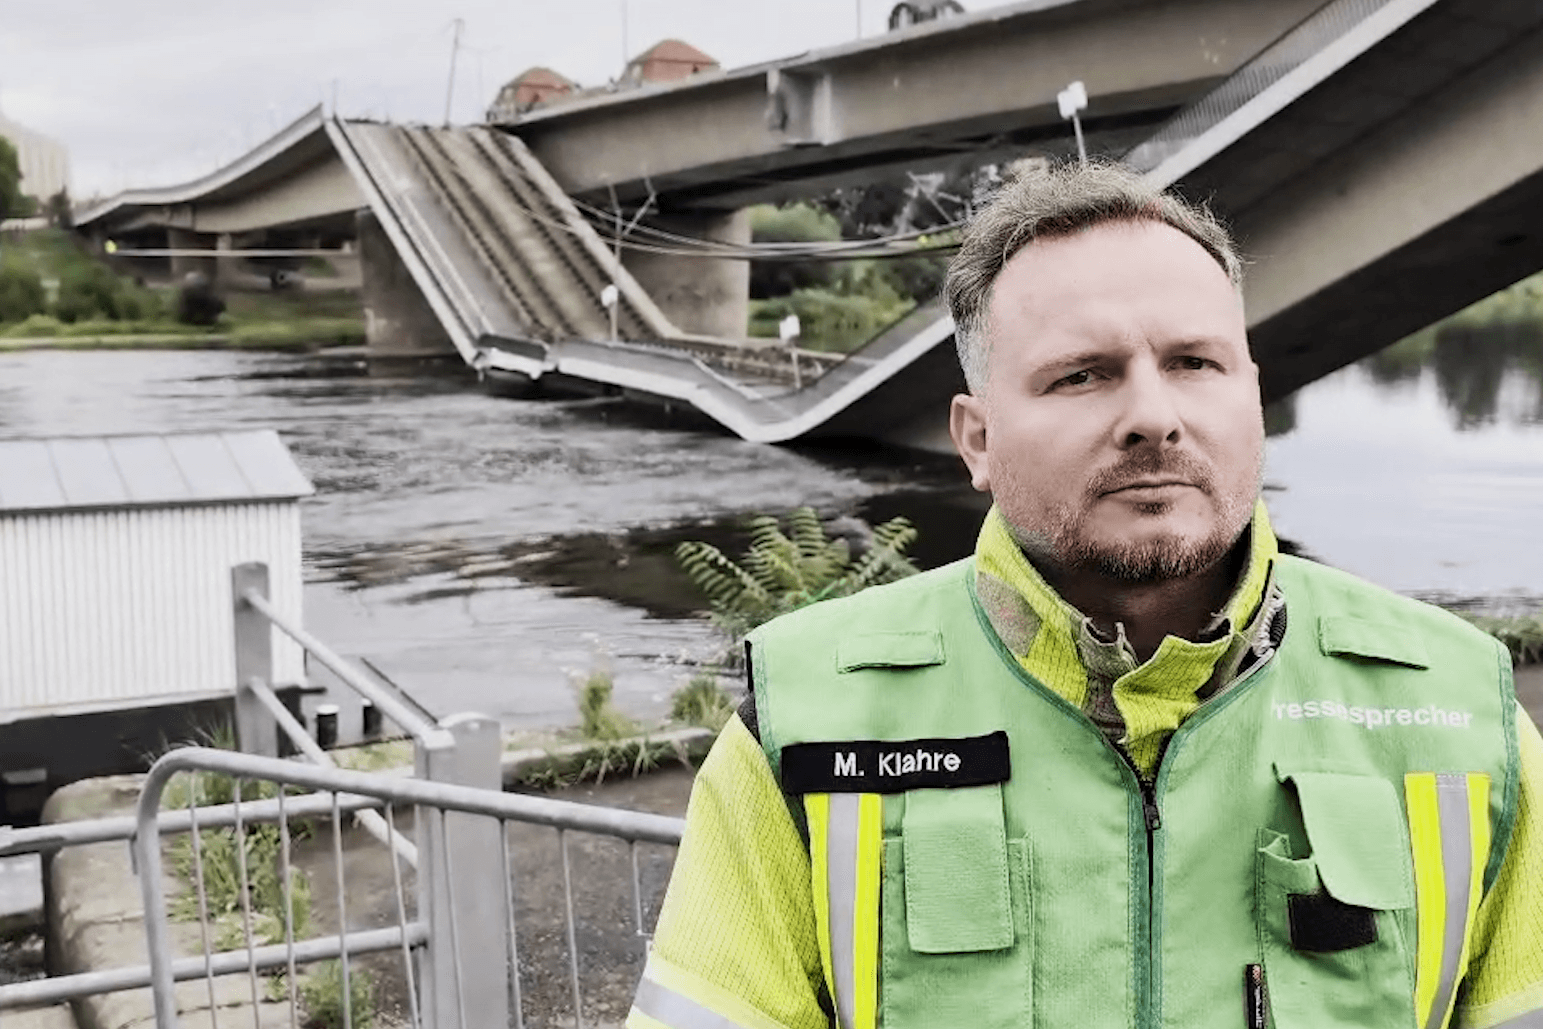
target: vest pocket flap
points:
(890, 650)
(1346, 636)
(1357, 837)
(957, 894)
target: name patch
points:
(877, 766)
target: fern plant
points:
(788, 567)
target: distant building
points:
(45, 164)
(530, 88)
(667, 61)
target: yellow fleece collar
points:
(1136, 703)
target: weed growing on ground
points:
(220, 855)
(321, 993)
(614, 757)
(702, 701)
(599, 718)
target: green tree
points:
(60, 211)
(12, 203)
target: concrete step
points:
(59, 1016)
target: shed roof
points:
(74, 472)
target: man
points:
(1128, 765)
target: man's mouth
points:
(1150, 486)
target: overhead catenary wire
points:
(687, 246)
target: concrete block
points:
(96, 921)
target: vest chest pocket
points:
(1332, 925)
(957, 945)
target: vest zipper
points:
(1147, 983)
(1149, 992)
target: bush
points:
(36, 325)
(1523, 636)
(21, 293)
(87, 290)
(828, 320)
(786, 570)
(795, 223)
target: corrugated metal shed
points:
(70, 473)
(115, 562)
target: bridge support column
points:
(398, 321)
(187, 239)
(711, 297)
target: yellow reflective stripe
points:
(1429, 889)
(817, 810)
(1449, 838)
(846, 835)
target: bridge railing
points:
(1309, 39)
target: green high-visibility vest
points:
(1310, 854)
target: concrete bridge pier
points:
(187, 239)
(710, 296)
(398, 321)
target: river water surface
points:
(482, 551)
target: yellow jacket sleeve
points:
(1505, 977)
(735, 944)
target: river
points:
(483, 552)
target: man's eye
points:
(1191, 363)
(1081, 378)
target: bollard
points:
(327, 726)
(369, 716)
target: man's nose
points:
(1149, 412)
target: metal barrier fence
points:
(454, 929)
(434, 917)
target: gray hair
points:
(1045, 202)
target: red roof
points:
(543, 77)
(674, 51)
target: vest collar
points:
(1137, 704)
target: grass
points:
(89, 306)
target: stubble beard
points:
(1063, 537)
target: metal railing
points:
(1330, 36)
(445, 903)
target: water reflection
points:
(1421, 467)
(1485, 371)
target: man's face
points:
(1119, 430)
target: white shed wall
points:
(113, 607)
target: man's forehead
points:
(1122, 260)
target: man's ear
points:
(967, 425)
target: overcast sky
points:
(157, 92)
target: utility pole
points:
(859, 6)
(455, 47)
(626, 48)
